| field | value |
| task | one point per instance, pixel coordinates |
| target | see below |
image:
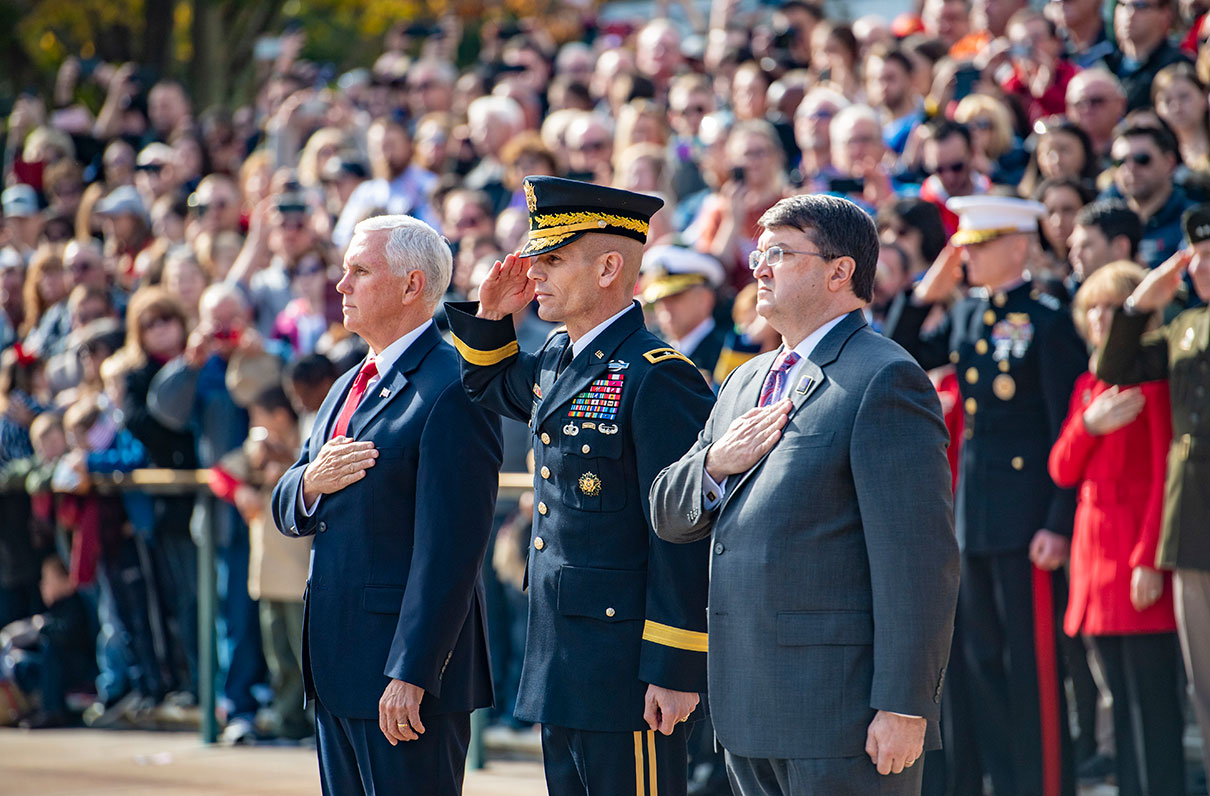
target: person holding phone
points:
(1180, 352)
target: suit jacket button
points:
(538, 543)
(545, 438)
(542, 509)
(719, 548)
(323, 526)
(545, 471)
(610, 612)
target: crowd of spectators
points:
(168, 272)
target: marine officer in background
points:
(680, 285)
(1017, 355)
(615, 657)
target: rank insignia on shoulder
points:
(607, 429)
(571, 430)
(657, 355)
(590, 484)
(618, 364)
(537, 391)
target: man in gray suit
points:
(822, 476)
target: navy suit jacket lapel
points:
(588, 365)
(393, 381)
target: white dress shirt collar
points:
(391, 354)
(691, 341)
(595, 332)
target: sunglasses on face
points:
(152, 168)
(1137, 158)
(952, 168)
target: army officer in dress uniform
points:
(1180, 352)
(616, 651)
(1018, 356)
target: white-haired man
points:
(397, 484)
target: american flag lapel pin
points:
(386, 393)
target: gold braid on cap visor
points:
(554, 228)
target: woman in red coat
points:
(1112, 448)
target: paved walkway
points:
(131, 763)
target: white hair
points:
(853, 114)
(219, 292)
(414, 246)
(821, 94)
(483, 111)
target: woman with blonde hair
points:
(1112, 448)
(997, 149)
(640, 121)
(47, 320)
(323, 144)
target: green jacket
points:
(1180, 352)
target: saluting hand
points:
(942, 277)
(749, 437)
(341, 461)
(507, 288)
(1159, 287)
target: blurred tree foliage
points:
(210, 44)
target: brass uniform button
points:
(1035, 294)
(545, 438)
(538, 543)
(968, 433)
(971, 406)
(585, 449)
(989, 317)
(542, 509)
(1000, 299)
(1018, 463)
(610, 612)
(981, 347)
(1004, 366)
(972, 375)
(1004, 387)
(954, 357)
(545, 471)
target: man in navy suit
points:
(397, 483)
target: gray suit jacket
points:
(834, 566)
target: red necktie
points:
(775, 381)
(368, 371)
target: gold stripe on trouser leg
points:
(639, 790)
(655, 788)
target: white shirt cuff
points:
(302, 508)
(712, 491)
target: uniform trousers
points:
(1141, 672)
(641, 763)
(1191, 590)
(996, 616)
(355, 757)
(824, 776)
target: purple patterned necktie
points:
(775, 382)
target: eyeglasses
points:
(1138, 5)
(983, 124)
(952, 168)
(1137, 158)
(591, 146)
(775, 254)
(1090, 102)
(153, 321)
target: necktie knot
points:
(775, 382)
(368, 371)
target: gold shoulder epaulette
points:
(657, 355)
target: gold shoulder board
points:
(657, 355)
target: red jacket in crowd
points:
(1120, 476)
